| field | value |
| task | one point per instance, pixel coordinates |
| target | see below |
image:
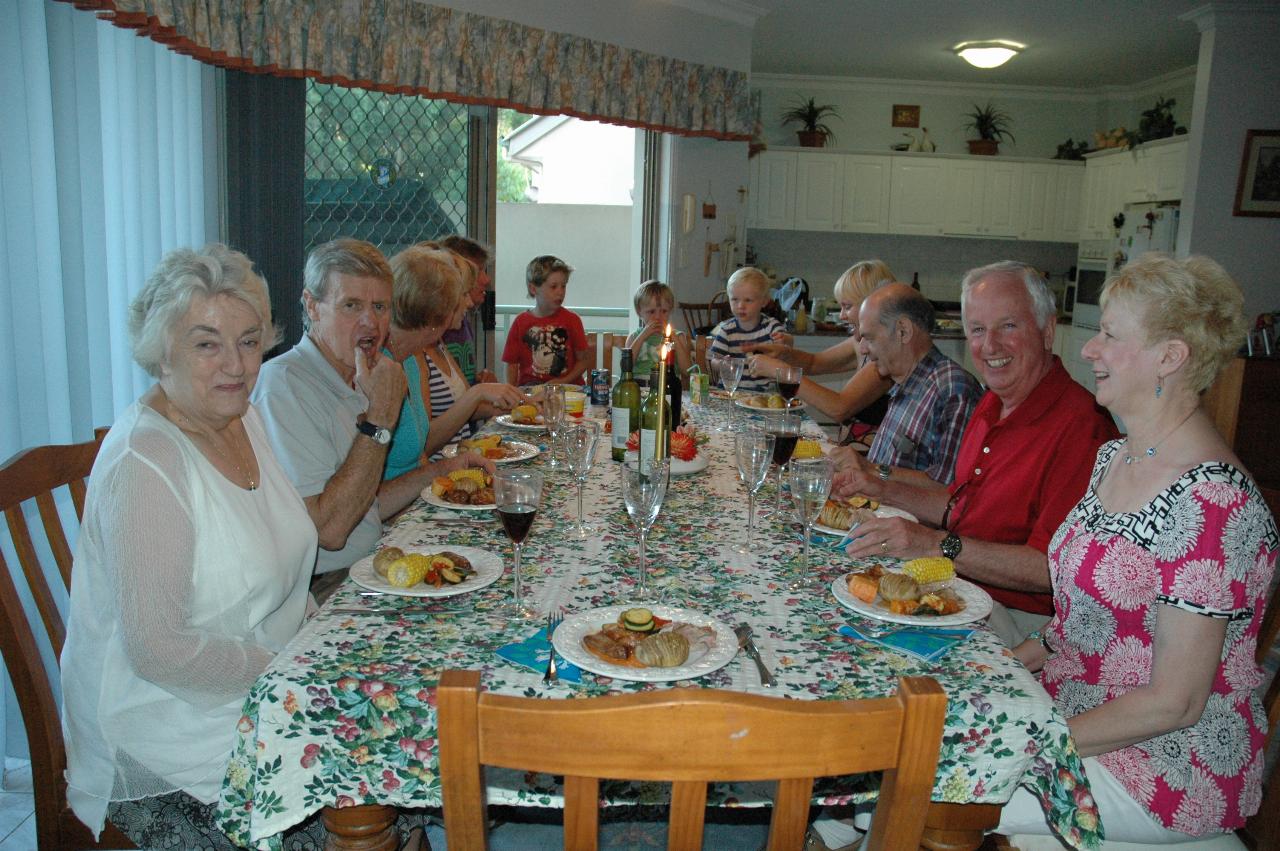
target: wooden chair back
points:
(609, 342)
(691, 737)
(700, 345)
(700, 318)
(34, 477)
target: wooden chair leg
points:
(958, 827)
(368, 827)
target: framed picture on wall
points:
(906, 115)
(1258, 192)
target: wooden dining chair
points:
(610, 342)
(700, 345)
(691, 737)
(701, 317)
(34, 480)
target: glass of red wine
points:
(518, 493)
(789, 383)
(785, 434)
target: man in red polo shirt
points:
(1024, 460)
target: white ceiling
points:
(1070, 43)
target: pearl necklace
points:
(1150, 451)
(190, 428)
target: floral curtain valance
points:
(409, 47)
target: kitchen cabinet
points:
(773, 181)
(918, 194)
(1049, 202)
(866, 193)
(981, 198)
(1154, 172)
(819, 191)
(914, 187)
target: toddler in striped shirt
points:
(748, 290)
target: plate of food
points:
(838, 516)
(523, 417)
(466, 490)
(688, 455)
(422, 571)
(899, 596)
(769, 403)
(495, 447)
(652, 644)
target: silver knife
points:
(744, 642)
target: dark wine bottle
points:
(675, 388)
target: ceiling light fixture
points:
(988, 54)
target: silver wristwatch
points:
(884, 471)
(378, 434)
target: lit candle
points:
(660, 438)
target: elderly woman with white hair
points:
(193, 560)
(1160, 575)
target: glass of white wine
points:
(644, 487)
(810, 487)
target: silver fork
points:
(553, 621)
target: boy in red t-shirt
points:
(546, 345)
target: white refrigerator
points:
(1147, 227)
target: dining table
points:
(344, 720)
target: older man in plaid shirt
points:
(932, 395)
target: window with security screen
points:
(390, 169)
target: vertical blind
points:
(108, 159)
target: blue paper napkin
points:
(927, 644)
(532, 653)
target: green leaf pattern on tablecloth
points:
(346, 715)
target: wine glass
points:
(754, 451)
(789, 383)
(731, 374)
(644, 486)
(810, 487)
(580, 442)
(517, 493)
(786, 432)
(554, 417)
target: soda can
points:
(600, 387)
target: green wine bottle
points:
(649, 421)
(625, 402)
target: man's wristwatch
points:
(378, 434)
(950, 545)
(884, 471)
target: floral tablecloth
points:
(346, 714)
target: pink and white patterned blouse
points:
(1206, 544)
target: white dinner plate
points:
(488, 567)
(699, 463)
(796, 405)
(524, 451)
(505, 421)
(977, 605)
(431, 499)
(882, 511)
(568, 643)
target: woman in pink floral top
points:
(1161, 573)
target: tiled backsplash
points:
(941, 262)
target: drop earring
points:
(1159, 386)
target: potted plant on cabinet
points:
(992, 127)
(809, 115)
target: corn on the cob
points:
(931, 569)
(807, 449)
(473, 473)
(408, 570)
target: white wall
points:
(663, 28)
(1236, 90)
(595, 240)
(1041, 118)
(710, 170)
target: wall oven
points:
(1092, 265)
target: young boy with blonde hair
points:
(748, 290)
(654, 302)
(546, 344)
